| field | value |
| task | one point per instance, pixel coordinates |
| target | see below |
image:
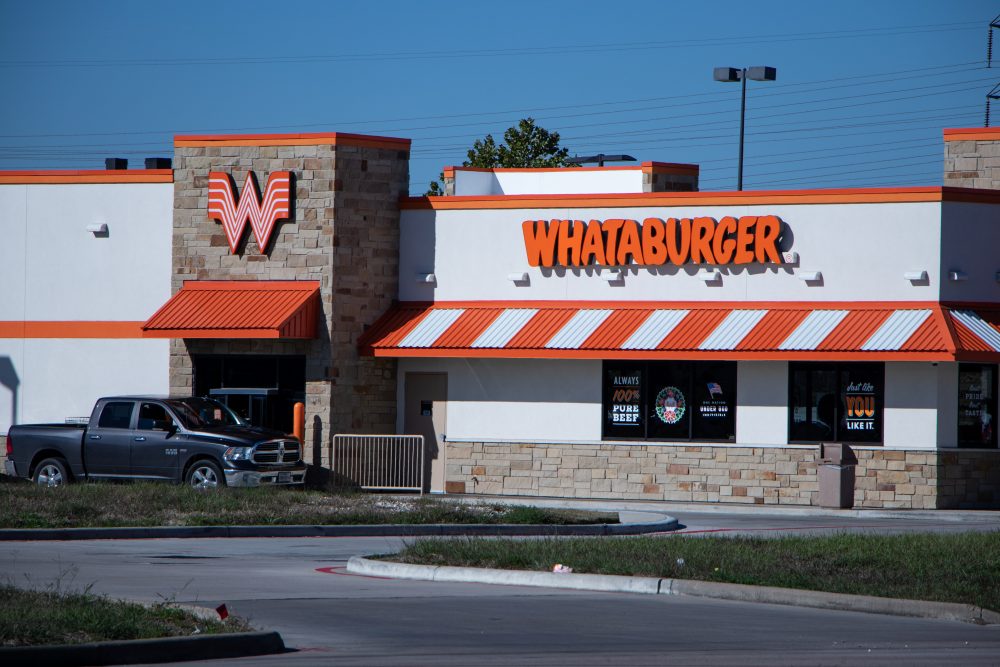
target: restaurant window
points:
(835, 402)
(669, 400)
(977, 405)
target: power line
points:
(565, 49)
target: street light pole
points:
(743, 115)
(733, 74)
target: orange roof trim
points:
(744, 198)
(972, 134)
(56, 176)
(304, 139)
(238, 309)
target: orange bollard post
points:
(299, 421)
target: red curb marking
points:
(345, 573)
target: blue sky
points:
(863, 89)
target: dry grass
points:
(107, 505)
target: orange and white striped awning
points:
(855, 331)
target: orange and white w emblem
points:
(262, 214)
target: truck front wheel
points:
(204, 475)
(51, 472)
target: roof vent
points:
(158, 163)
(115, 163)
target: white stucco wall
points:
(527, 400)
(762, 402)
(911, 405)
(862, 250)
(60, 378)
(53, 269)
(563, 181)
(970, 237)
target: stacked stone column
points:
(343, 233)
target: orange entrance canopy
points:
(238, 309)
(905, 331)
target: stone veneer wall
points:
(344, 233)
(885, 478)
(972, 163)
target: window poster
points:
(714, 392)
(669, 411)
(859, 401)
(977, 405)
(623, 401)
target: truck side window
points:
(116, 415)
(153, 417)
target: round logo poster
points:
(670, 405)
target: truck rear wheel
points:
(51, 472)
(204, 475)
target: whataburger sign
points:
(618, 241)
(262, 214)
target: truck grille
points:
(277, 451)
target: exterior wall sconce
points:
(611, 276)
(517, 277)
(98, 229)
(711, 276)
(957, 276)
(427, 278)
(810, 276)
(915, 276)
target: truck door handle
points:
(95, 437)
(140, 439)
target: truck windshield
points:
(196, 412)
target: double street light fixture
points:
(732, 75)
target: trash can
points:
(836, 476)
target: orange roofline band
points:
(618, 242)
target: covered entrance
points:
(261, 389)
(426, 402)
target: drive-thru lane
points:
(299, 587)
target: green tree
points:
(526, 145)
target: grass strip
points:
(150, 504)
(962, 568)
(35, 618)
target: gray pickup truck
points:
(198, 441)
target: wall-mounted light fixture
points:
(517, 277)
(98, 228)
(711, 276)
(810, 276)
(957, 276)
(915, 276)
(611, 276)
(428, 278)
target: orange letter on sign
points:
(722, 243)
(540, 242)
(611, 227)
(569, 244)
(701, 241)
(678, 250)
(593, 245)
(766, 246)
(630, 244)
(654, 247)
(744, 237)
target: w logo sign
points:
(262, 214)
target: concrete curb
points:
(656, 586)
(171, 649)
(385, 530)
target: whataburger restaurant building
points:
(596, 332)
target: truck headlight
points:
(238, 454)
